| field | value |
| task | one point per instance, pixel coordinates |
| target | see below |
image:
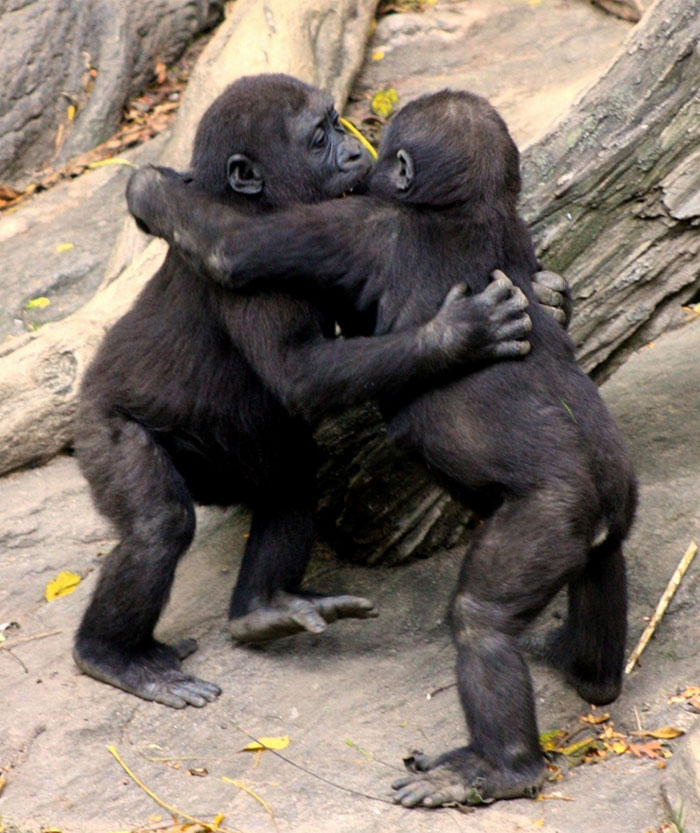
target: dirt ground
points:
(354, 700)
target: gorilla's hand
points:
(492, 324)
(149, 192)
(553, 293)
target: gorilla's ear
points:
(405, 171)
(244, 176)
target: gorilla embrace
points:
(528, 443)
(199, 394)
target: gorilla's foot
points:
(289, 613)
(463, 777)
(591, 684)
(152, 673)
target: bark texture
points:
(613, 197)
(90, 55)
(319, 41)
(612, 193)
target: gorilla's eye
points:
(319, 138)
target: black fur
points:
(529, 443)
(202, 395)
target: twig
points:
(439, 690)
(17, 659)
(668, 594)
(315, 774)
(253, 794)
(10, 644)
(211, 826)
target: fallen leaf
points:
(64, 584)
(383, 102)
(65, 247)
(38, 303)
(3, 782)
(70, 113)
(378, 55)
(549, 741)
(595, 719)
(579, 746)
(113, 160)
(652, 749)
(281, 742)
(199, 771)
(682, 696)
(667, 733)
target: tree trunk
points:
(612, 195)
(69, 67)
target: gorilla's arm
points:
(243, 252)
(314, 375)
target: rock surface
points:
(362, 682)
(353, 700)
(90, 56)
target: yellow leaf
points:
(3, 781)
(267, 743)
(350, 127)
(667, 733)
(71, 112)
(619, 747)
(113, 160)
(38, 303)
(218, 819)
(378, 55)
(538, 823)
(579, 746)
(595, 719)
(62, 585)
(549, 741)
(383, 102)
(64, 247)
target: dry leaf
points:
(681, 697)
(652, 749)
(64, 247)
(267, 743)
(378, 55)
(64, 584)
(595, 719)
(667, 733)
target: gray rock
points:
(681, 785)
(49, 50)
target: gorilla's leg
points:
(518, 560)
(267, 601)
(589, 647)
(135, 484)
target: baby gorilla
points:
(198, 395)
(530, 444)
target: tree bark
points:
(612, 193)
(69, 67)
(319, 41)
(613, 197)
